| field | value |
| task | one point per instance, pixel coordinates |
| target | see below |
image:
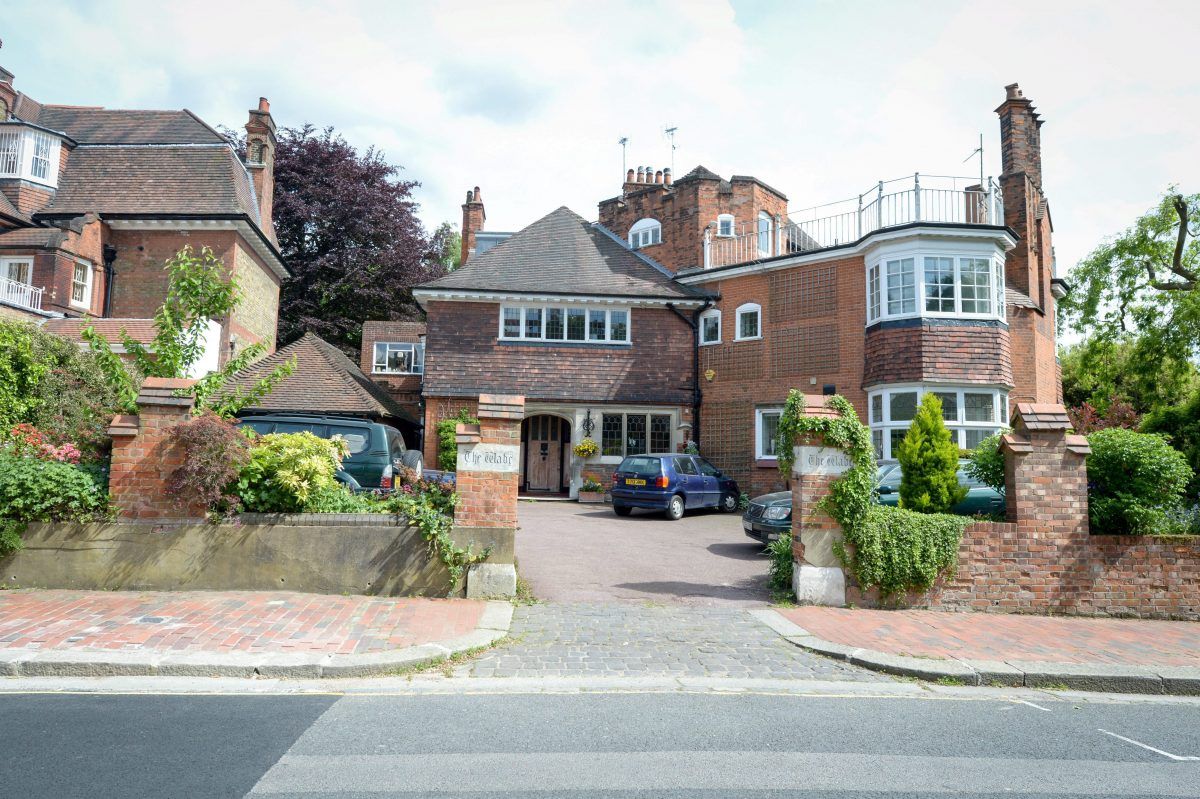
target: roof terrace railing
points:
(892, 203)
(22, 294)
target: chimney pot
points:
(658, 176)
(263, 105)
(476, 194)
(629, 176)
(1014, 92)
(667, 176)
(641, 174)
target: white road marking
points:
(1031, 704)
(1151, 748)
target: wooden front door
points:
(544, 462)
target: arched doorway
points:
(545, 453)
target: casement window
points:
(710, 327)
(29, 153)
(725, 225)
(749, 322)
(398, 358)
(971, 413)
(623, 434)
(562, 323)
(18, 270)
(947, 285)
(764, 233)
(81, 285)
(766, 433)
(644, 233)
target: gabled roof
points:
(563, 253)
(324, 381)
(9, 210)
(183, 179)
(88, 125)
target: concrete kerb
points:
(1105, 677)
(493, 626)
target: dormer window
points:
(29, 154)
(644, 233)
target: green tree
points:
(929, 462)
(1145, 281)
(1180, 425)
(199, 289)
(1099, 369)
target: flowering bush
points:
(214, 452)
(35, 490)
(287, 472)
(27, 441)
(586, 448)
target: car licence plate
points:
(748, 527)
(632, 481)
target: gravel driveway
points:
(585, 553)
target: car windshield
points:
(642, 466)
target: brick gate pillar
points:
(1045, 472)
(817, 576)
(489, 457)
(143, 457)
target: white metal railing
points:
(21, 294)
(919, 198)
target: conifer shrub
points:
(929, 462)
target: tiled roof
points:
(32, 237)
(115, 126)
(700, 173)
(1018, 299)
(140, 330)
(9, 210)
(324, 381)
(169, 179)
(563, 253)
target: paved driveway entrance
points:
(573, 552)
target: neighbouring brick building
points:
(93, 201)
(726, 300)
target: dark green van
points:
(377, 451)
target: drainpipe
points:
(697, 396)
(110, 277)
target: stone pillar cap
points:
(1041, 417)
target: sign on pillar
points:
(489, 463)
(817, 575)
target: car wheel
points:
(414, 459)
(729, 503)
(675, 508)
(622, 510)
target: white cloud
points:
(528, 99)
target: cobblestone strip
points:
(644, 640)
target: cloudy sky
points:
(528, 99)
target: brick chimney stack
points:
(1020, 135)
(260, 162)
(473, 219)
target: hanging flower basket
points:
(586, 448)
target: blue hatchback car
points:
(671, 484)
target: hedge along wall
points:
(1043, 559)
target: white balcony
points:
(20, 294)
(892, 203)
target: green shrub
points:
(287, 471)
(900, 550)
(49, 382)
(779, 570)
(1181, 425)
(10, 536)
(929, 462)
(1136, 482)
(214, 453)
(33, 490)
(340, 499)
(447, 443)
(986, 463)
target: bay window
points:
(971, 413)
(564, 323)
(28, 153)
(946, 285)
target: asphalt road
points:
(587, 746)
(586, 553)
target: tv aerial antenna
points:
(624, 142)
(978, 151)
(669, 132)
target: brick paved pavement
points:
(226, 621)
(648, 640)
(995, 636)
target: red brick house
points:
(93, 201)
(726, 299)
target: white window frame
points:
(759, 453)
(722, 220)
(712, 313)
(6, 265)
(879, 402)
(764, 227)
(645, 233)
(877, 285)
(743, 309)
(587, 310)
(417, 358)
(672, 428)
(29, 154)
(89, 280)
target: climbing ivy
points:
(893, 549)
(436, 526)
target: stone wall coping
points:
(1078, 444)
(124, 424)
(323, 519)
(501, 406)
(169, 383)
(1016, 443)
(1039, 416)
(467, 434)
(814, 405)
